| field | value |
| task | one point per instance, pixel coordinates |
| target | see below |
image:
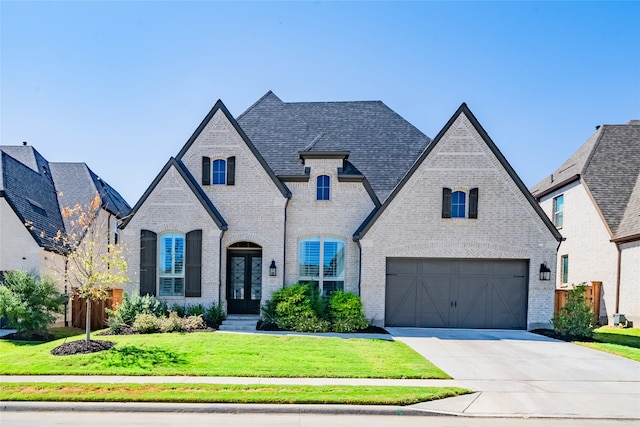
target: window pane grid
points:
(327, 252)
(323, 185)
(458, 202)
(171, 281)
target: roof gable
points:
(193, 185)
(219, 106)
(462, 110)
(32, 196)
(608, 164)
(381, 144)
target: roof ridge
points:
(269, 93)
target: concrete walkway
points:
(514, 374)
(518, 373)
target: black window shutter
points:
(473, 203)
(206, 171)
(231, 170)
(193, 271)
(148, 248)
(446, 203)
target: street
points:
(150, 419)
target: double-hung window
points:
(321, 260)
(558, 211)
(171, 264)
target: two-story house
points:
(351, 196)
(594, 200)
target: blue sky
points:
(122, 85)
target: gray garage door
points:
(455, 293)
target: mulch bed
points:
(81, 347)
(555, 335)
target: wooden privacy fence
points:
(98, 315)
(592, 296)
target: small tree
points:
(575, 319)
(93, 266)
(29, 302)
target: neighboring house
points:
(33, 192)
(351, 196)
(594, 200)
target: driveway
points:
(519, 373)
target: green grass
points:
(623, 342)
(215, 393)
(214, 354)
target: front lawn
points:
(623, 342)
(216, 354)
(216, 393)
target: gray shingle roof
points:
(31, 194)
(77, 184)
(382, 145)
(609, 165)
(36, 190)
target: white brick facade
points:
(507, 226)
(592, 257)
(630, 281)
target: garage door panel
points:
(458, 293)
(434, 301)
(401, 301)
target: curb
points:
(220, 408)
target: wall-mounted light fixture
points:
(545, 272)
(272, 269)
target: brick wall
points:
(507, 226)
(630, 282)
(592, 257)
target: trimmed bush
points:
(29, 302)
(146, 323)
(173, 323)
(294, 308)
(214, 315)
(134, 305)
(575, 319)
(345, 312)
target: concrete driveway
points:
(519, 373)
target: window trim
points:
(555, 213)
(172, 274)
(320, 278)
(456, 204)
(215, 175)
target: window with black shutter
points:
(206, 171)
(193, 271)
(446, 203)
(473, 203)
(148, 251)
(231, 170)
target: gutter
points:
(618, 271)
(359, 269)
(284, 247)
(220, 268)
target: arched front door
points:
(244, 278)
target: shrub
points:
(191, 323)
(298, 308)
(173, 323)
(179, 309)
(132, 306)
(575, 319)
(345, 312)
(29, 302)
(194, 310)
(214, 315)
(146, 323)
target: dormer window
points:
(323, 187)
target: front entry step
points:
(240, 323)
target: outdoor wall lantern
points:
(545, 273)
(272, 269)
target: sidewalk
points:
(531, 399)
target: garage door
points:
(455, 293)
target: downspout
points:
(284, 249)
(359, 267)
(220, 268)
(618, 271)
